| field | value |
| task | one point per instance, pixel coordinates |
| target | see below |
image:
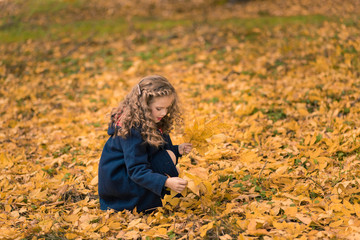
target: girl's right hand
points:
(177, 184)
(185, 148)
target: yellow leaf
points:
(38, 194)
(357, 209)
(94, 181)
(199, 171)
(209, 187)
(71, 218)
(303, 218)
(292, 125)
(225, 237)
(143, 226)
(120, 235)
(184, 192)
(244, 109)
(201, 130)
(257, 232)
(303, 112)
(193, 187)
(246, 197)
(252, 225)
(218, 138)
(336, 223)
(15, 214)
(8, 208)
(104, 229)
(193, 182)
(241, 237)
(336, 207)
(46, 225)
(173, 201)
(281, 170)
(348, 205)
(7, 233)
(5, 162)
(134, 222)
(291, 211)
(307, 140)
(279, 225)
(313, 140)
(160, 232)
(203, 230)
(70, 235)
(131, 235)
(228, 209)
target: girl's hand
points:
(177, 184)
(185, 148)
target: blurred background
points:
(270, 95)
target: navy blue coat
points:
(126, 179)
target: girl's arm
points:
(137, 164)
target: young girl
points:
(138, 160)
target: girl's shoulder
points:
(114, 128)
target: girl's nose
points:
(163, 113)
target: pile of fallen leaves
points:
(272, 111)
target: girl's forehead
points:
(163, 101)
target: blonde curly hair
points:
(134, 111)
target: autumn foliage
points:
(270, 97)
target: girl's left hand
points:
(185, 148)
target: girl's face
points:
(160, 106)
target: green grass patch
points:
(79, 30)
(16, 29)
(20, 31)
(152, 23)
(272, 21)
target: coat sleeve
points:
(138, 166)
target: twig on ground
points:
(229, 74)
(316, 183)
(259, 178)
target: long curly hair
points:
(135, 112)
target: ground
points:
(269, 92)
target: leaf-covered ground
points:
(270, 92)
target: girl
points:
(138, 160)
